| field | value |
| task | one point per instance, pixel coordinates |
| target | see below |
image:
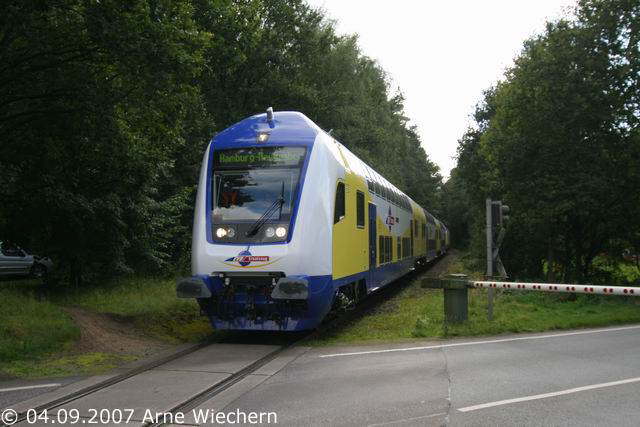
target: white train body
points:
(289, 223)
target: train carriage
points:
(289, 224)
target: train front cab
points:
(246, 274)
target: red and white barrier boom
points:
(558, 287)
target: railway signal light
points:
(504, 213)
(499, 213)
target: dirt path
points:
(102, 333)
(442, 265)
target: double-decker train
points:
(289, 224)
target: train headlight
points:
(262, 137)
(281, 232)
(221, 232)
(231, 233)
(269, 232)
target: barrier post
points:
(488, 206)
(456, 299)
(456, 296)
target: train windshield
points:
(247, 182)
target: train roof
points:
(287, 127)
(294, 128)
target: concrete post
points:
(489, 258)
(456, 299)
(456, 296)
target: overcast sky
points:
(442, 54)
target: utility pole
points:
(488, 205)
(497, 214)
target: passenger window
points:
(360, 209)
(339, 211)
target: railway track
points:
(219, 387)
(79, 394)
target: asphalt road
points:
(583, 377)
(14, 391)
(441, 385)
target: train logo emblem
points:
(246, 259)
(391, 220)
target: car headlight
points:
(269, 232)
(281, 232)
(221, 232)
(231, 233)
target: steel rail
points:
(78, 394)
(219, 387)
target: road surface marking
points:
(3, 390)
(408, 419)
(545, 395)
(460, 344)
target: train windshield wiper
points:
(276, 205)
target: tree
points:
(94, 100)
(558, 143)
(106, 107)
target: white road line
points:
(408, 419)
(460, 344)
(545, 395)
(3, 390)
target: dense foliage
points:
(558, 139)
(106, 107)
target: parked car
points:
(16, 262)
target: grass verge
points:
(38, 338)
(61, 365)
(416, 313)
(149, 303)
(30, 327)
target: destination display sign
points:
(259, 157)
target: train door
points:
(426, 240)
(373, 237)
(412, 231)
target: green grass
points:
(57, 365)
(417, 313)
(150, 303)
(529, 312)
(30, 327)
(37, 336)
